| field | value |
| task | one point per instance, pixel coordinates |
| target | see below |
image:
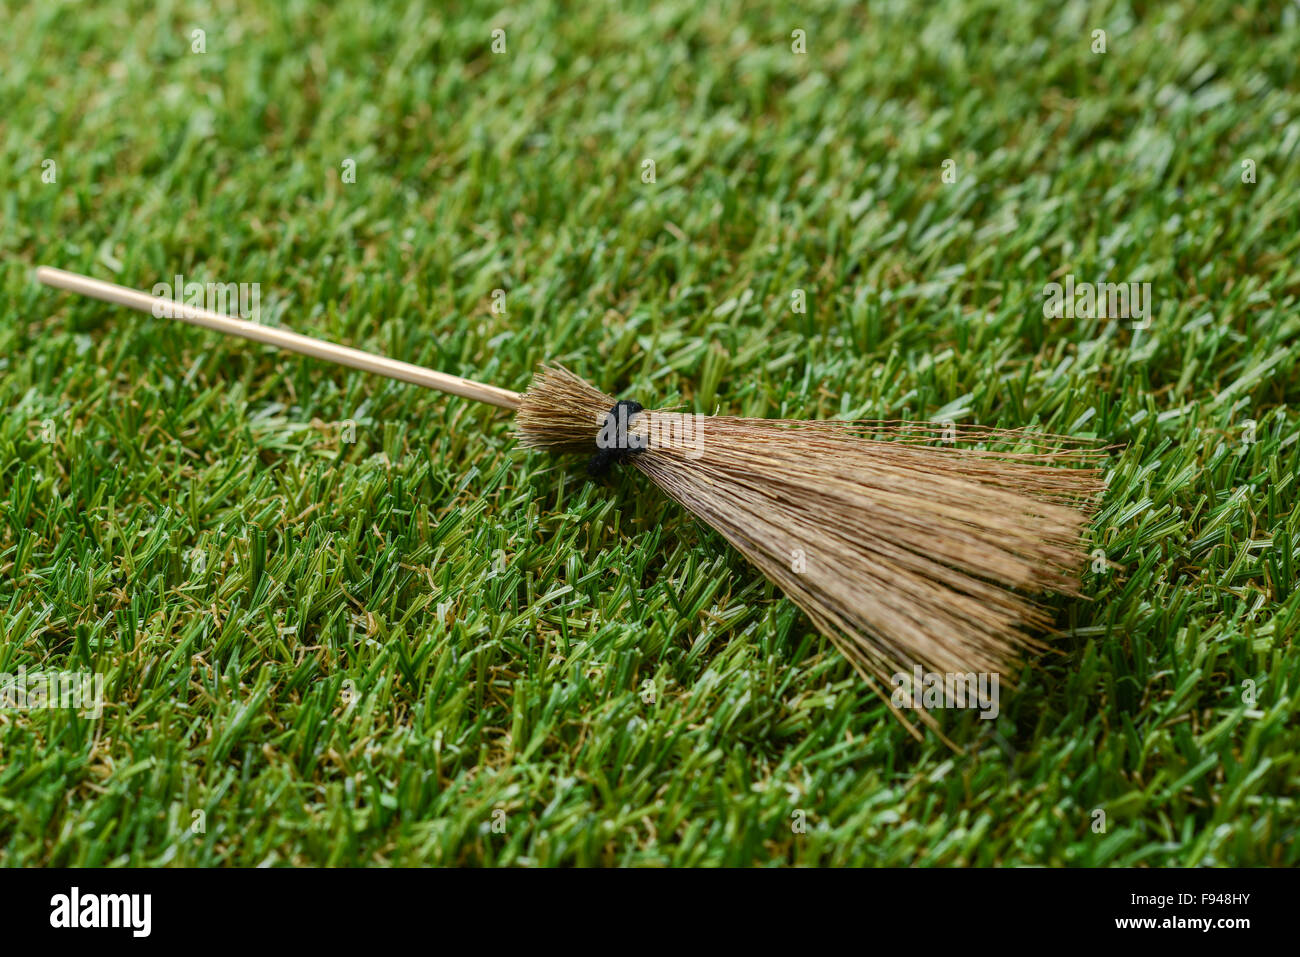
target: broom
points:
(907, 544)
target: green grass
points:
(426, 646)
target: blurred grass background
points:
(425, 646)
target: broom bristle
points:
(905, 543)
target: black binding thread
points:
(614, 442)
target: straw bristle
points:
(905, 543)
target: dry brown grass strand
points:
(901, 547)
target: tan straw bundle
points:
(905, 543)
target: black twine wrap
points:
(614, 443)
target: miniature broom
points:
(902, 551)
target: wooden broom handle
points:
(283, 338)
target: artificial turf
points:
(424, 646)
